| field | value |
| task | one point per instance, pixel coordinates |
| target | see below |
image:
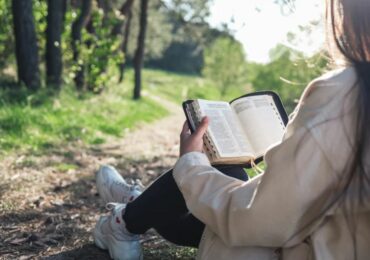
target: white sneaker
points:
(110, 233)
(113, 188)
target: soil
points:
(49, 203)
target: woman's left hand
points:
(193, 142)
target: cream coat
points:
(285, 213)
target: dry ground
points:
(49, 203)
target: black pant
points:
(162, 207)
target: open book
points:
(240, 131)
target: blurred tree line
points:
(80, 42)
(288, 73)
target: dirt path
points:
(49, 203)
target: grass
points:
(168, 252)
(39, 121)
(179, 87)
(64, 167)
(44, 120)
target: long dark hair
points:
(349, 23)
(348, 27)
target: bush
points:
(225, 64)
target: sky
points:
(260, 24)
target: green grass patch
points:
(45, 120)
(64, 167)
(40, 121)
(254, 172)
(180, 87)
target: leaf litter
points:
(48, 210)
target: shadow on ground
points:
(53, 214)
(86, 252)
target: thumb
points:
(202, 128)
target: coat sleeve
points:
(274, 209)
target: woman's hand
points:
(193, 142)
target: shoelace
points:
(139, 184)
(129, 188)
(111, 205)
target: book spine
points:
(277, 114)
(210, 147)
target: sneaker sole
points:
(100, 241)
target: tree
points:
(126, 11)
(190, 35)
(190, 11)
(26, 48)
(124, 45)
(225, 63)
(107, 7)
(77, 26)
(6, 34)
(288, 73)
(53, 55)
(95, 48)
(159, 32)
(139, 54)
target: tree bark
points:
(139, 53)
(124, 10)
(26, 48)
(124, 45)
(77, 27)
(54, 30)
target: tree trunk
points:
(124, 45)
(106, 6)
(26, 48)
(124, 10)
(77, 27)
(139, 54)
(64, 11)
(54, 29)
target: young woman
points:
(312, 201)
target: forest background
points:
(92, 82)
(70, 70)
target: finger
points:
(202, 128)
(185, 129)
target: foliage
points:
(69, 66)
(170, 22)
(159, 30)
(193, 11)
(178, 30)
(101, 49)
(225, 64)
(288, 73)
(6, 33)
(40, 12)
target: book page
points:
(260, 120)
(225, 129)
